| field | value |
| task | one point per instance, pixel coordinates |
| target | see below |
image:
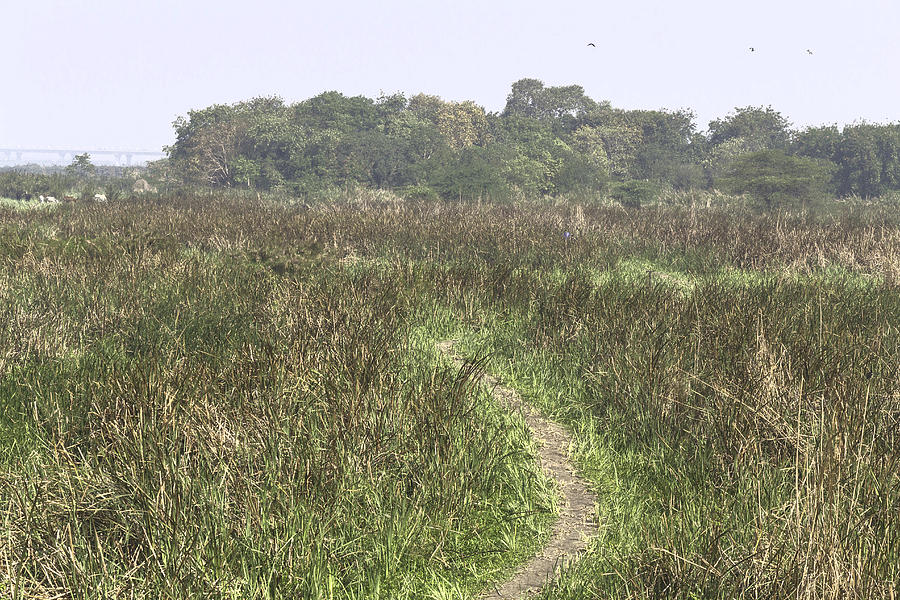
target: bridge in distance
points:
(10, 157)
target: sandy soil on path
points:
(576, 523)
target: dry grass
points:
(223, 397)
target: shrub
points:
(633, 192)
(772, 177)
(419, 191)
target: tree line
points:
(80, 179)
(548, 140)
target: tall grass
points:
(183, 417)
(222, 397)
(752, 429)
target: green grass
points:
(731, 454)
(12, 203)
(216, 397)
(181, 423)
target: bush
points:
(419, 191)
(472, 173)
(772, 177)
(688, 177)
(633, 192)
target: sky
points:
(114, 74)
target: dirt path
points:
(576, 523)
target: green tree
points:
(81, 166)
(773, 177)
(633, 193)
(761, 128)
(244, 171)
(665, 142)
(719, 158)
(817, 142)
(588, 141)
(531, 154)
(333, 110)
(622, 142)
(419, 138)
(563, 104)
(472, 172)
(375, 159)
(206, 144)
(425, 107)
(576, 172)
(868, 158)
(462, 124)
(161, 174)
(622, 137)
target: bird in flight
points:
(592, 44)
(808, 51)
(752, 49)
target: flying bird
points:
(752, 49)
(592, 44)
(808, 51)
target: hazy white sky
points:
(114, 74)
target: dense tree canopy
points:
(771, 176)
(761, 128)
(547, 140)
(867, 156)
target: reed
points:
(214, 396)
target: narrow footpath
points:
(576, 523)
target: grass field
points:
(224, 398)
(12, 203)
